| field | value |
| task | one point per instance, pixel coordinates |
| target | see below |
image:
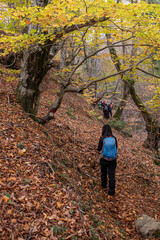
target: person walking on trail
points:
(100, 105)
(108, 148)
(110, 106)
(106, 111)
(103, 104)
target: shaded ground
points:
(50, 176)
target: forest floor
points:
(50, 175)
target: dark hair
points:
(106, 131)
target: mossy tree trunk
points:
(152, 127)
(117, 64)
(34, 66)
(122, 104)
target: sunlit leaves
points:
(142, 20)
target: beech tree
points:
(43, 43)
(128, 78)
(151, 123)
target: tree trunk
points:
(55, 106)
(117, 65)
(122, 104)
(152, 127)
(33, 68)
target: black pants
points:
(106, 114)
(108, 167)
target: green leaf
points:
(8, 195)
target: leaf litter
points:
(50, 175)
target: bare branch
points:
(75, 55)
(75, 89)
(122, 29)
(99, 50)
(85, 6)
(148, 73)
(104, 78)
(83, 41)
(67, 29)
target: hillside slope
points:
(50, 175)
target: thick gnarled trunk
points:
(34, 67)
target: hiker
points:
(106, 111)
(103, 104)
(108, 148)
(100, 105)
(110, 106)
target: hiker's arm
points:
(116, 142)
(100, 145)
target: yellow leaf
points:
(59, 204)
(12, 178)
(6, 199)
(45, 215)
(9, 211)
(66, 219)
(13, 220)
(51, 185)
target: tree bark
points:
(55, 106)
(122, 104)
(152, 127)
(33, 68)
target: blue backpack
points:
(109, 151)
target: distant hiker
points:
(108, 148)
(106, 111)
(110, 106)
(100, 105)
(103, 104)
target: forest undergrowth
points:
(50, 175)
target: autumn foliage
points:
(50, 176)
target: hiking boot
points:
(111, 192)
(104, 186)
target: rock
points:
(148, 226)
